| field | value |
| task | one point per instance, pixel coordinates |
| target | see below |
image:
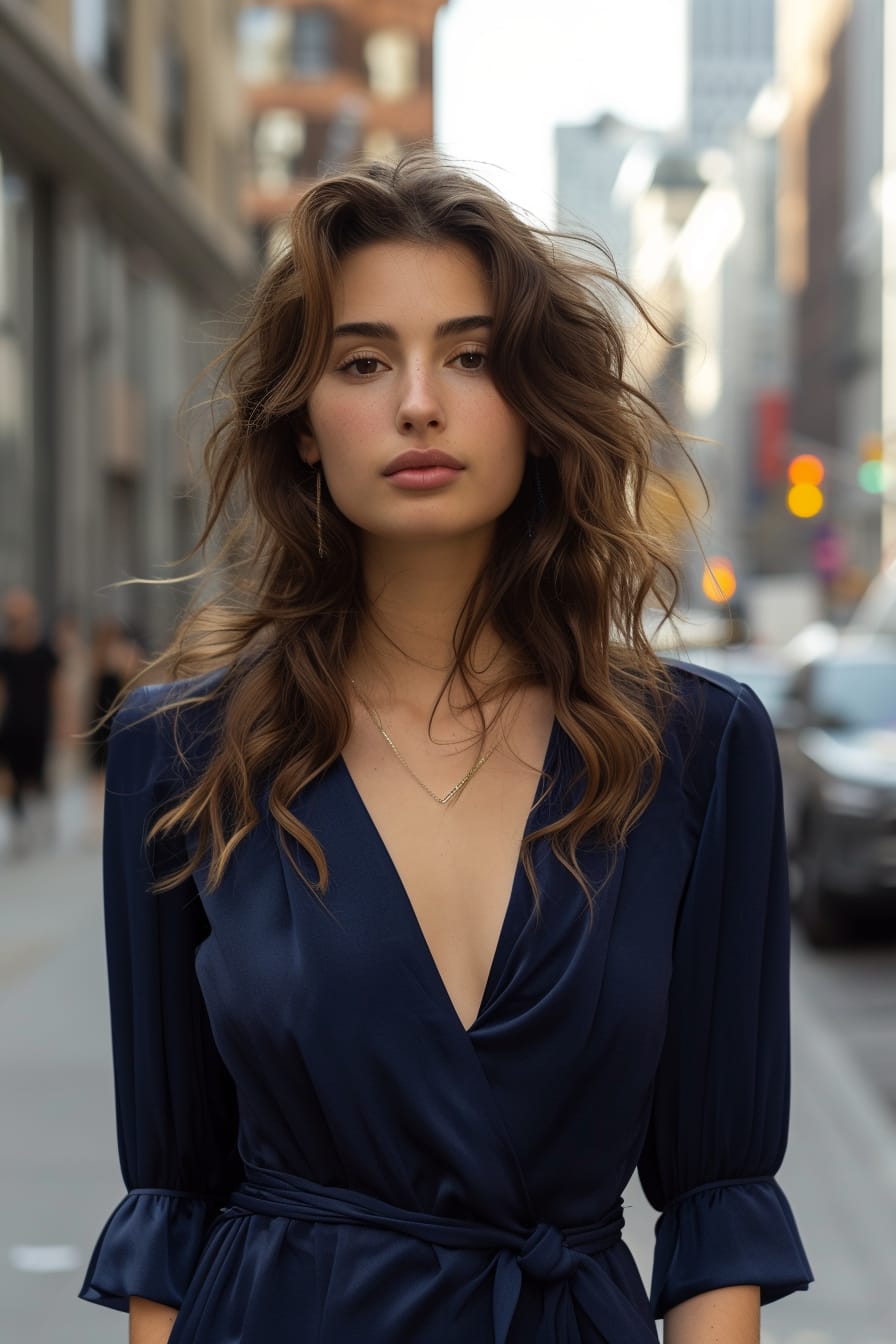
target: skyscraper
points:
(588, 162)
(731, 54)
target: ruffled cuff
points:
(149, 1247)
(727, 1233)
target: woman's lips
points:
(423, 478)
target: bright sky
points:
(508, 71)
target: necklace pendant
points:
(458, 786)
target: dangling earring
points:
(320, 535)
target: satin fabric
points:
(313, 1146)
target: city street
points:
(57, 1129)
(261, 267)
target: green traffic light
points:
(871, 476)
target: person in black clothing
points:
(28, 666)
(115, 657)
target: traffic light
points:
(719, 581)
(871, 472)
(805, 498)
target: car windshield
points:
(854, 695)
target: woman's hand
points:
(724, 1316)
(150, 1322)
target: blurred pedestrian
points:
(29, 690)
(391, 1035)
(115, 657)
(74, 690)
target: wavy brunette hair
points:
(568, 599)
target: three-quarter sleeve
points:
(174, 1101)
(718, 1128)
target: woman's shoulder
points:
(166, 724)
(704, 685)
(714, 713)
(714, 694)
(154, 695)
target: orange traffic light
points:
(804, 498)
(719, 581)
(807, 469)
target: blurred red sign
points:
(772, 423)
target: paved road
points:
(853, 988)
(57, 1133)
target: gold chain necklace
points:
(451, 792)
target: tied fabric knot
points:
(563, 1260)
(546, 1256)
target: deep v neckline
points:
(408, 904)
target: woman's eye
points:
(364, 365)
(473, 355)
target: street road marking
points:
(44, 1259)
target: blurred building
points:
(120, 237)
(832, 255)
(589, 159)
(661, 185)
(704, 258)
(731, 55)
(324, 84)
(885, 199)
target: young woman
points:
(435, 903)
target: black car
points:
(836, 732)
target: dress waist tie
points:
(558, 1258)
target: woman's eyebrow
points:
(381, 331)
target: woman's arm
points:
(724, 1316)
(718, 1125)
(150, 1322)
(175, 1102)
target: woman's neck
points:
(416, 595)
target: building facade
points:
(830, 228)
(325, 84)
(120, 240)
(885, 198)
(731, 55)
(589, 159)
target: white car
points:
(876, 612)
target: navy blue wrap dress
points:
(315, 1149)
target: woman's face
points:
(409, 371)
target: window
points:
(99, 37)
(313, 43)
(277, 44)
(173, 79)
(392, 62)
(278, 144)
(264, 35)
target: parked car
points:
(836, 727)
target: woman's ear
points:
(306, 443)
(308, 450)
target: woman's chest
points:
(454, 857)
(354, 964)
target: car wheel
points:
(820, 913)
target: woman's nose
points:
(419, 406)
